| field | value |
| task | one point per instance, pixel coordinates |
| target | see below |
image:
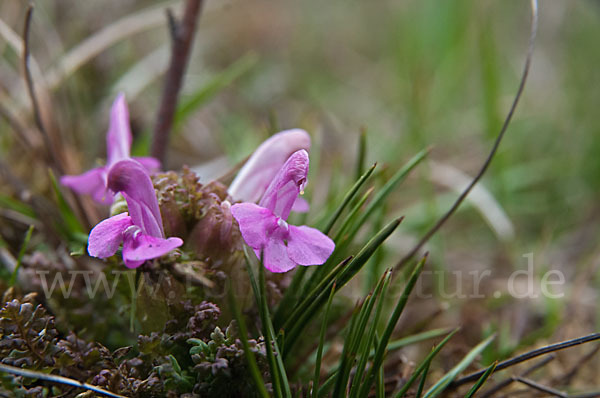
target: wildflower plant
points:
(223, 294)
(264, 228)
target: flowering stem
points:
(182, 35)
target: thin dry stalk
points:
(182, 35)
(490, 157)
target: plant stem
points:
(182, 36)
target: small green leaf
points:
(71, 226)
(9, 203)
(214, 86)
(13, 277)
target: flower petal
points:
(143, 217)
(151, 164)
(137, 248)
(258, 172)
(106, 236)
(255, 223)
(300, 205)
(287, 185)
(131, 178)
(275, 256)
(118, 138)
(92, 182)
(308, 246)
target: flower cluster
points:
(264, 227)
(274, 176)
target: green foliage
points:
(401, 71)
(443, 383)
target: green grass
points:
(410, 75)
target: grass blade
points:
(289, 297)
(415, 338)
(531, 354)
(423, 378)
(37, 375)
(348, 198)
(362, 152)
(354, 226)
(385, 338)
(482, 380)
(13, 277)
(386, 190)
(406, 341)
(366, 343)
(262, 302)
(317, 375)
(424, 364)
(441, 385)
(72, 228)
(254, 371)
(316, 298)
(345, 365)
(352, 216)
(327, 385)
(278, 373)
(9, 203)
(380, 384)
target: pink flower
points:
(258, 172)
(140, 231)
(118, 143)
(264, 226)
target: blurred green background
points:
(413, 74)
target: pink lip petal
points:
(255, 223)
(258, 172)
(139, 248)
(300, 205)
(308, 246)
(105, 237)
(276, 258)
